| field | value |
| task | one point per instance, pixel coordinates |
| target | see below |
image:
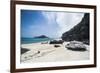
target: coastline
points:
(45, 52)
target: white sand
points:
(48, 53)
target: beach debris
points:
(38, 52)
(76, 46)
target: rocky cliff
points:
(80, 32)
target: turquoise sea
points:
(33, 40)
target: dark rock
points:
(56, 42)
(76, 46)
(23, 50)
(56, 46)
(80, 32)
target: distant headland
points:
(41, 36)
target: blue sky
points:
(52, 24)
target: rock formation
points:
(80, 32)
(76, 46)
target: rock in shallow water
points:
(76, 46)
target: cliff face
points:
(80, 32)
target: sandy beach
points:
(45, 52)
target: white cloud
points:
(62, 21)
(66, 21)
(50, 16)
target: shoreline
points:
(45, 52)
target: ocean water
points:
(33, 40)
